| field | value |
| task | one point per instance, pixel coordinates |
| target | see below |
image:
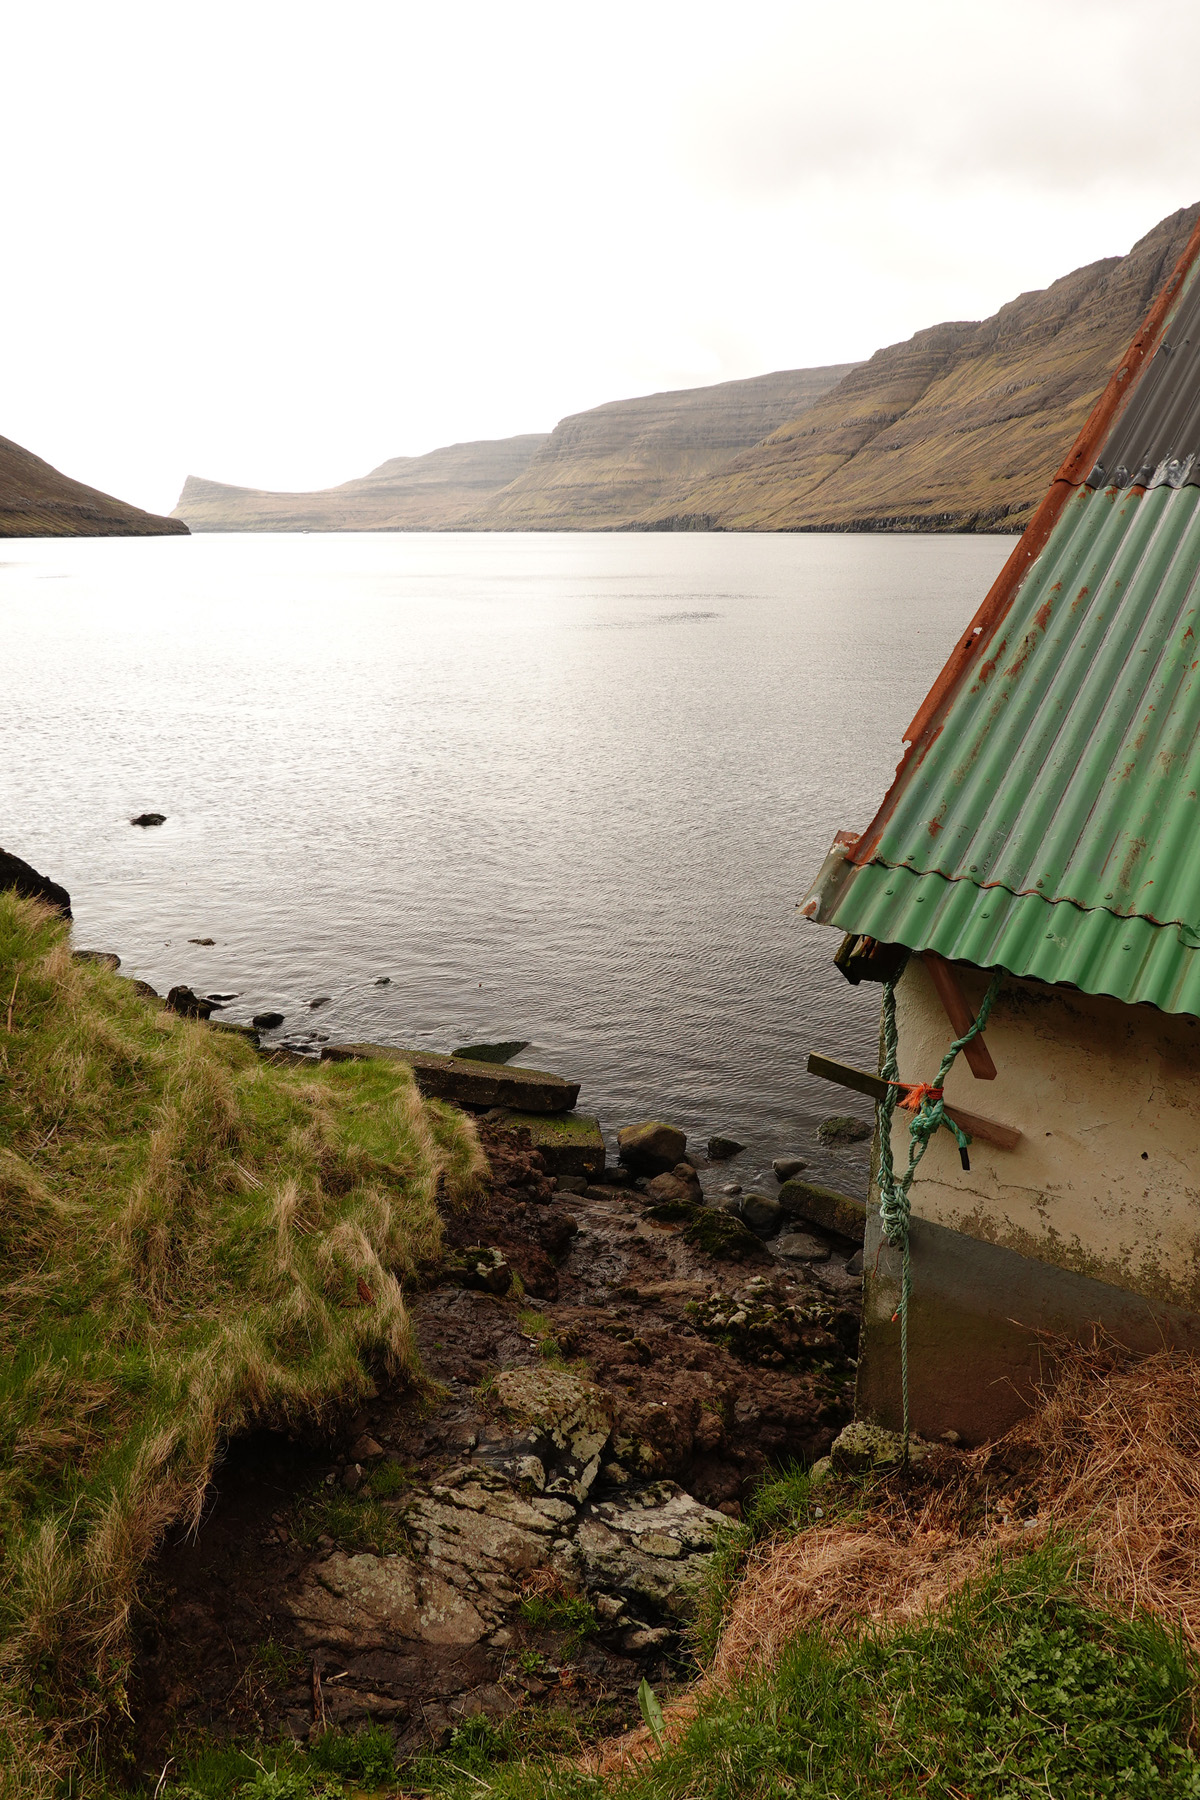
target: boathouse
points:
(1043, 828)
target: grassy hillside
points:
(37, 501)
(191, 1241)
(409, 493)
(959, 428)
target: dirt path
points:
(530, 1533)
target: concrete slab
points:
(467, 1083)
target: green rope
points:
(929, 1117)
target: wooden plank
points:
(1005, 1137)
(945, 978)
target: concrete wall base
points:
(976, 1353)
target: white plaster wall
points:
(1106, 1178)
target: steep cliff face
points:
(601, 467)
(409, 493)
(37, 501)
(960, 428)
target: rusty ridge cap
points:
(1014, 893)
(927, 722)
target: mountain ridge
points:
(38, 500)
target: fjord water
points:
(560, 787)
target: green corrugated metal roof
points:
(1047, 818)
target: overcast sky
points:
(276, 243)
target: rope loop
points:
(926, 1102)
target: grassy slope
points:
(37, 501)
(191, 1240)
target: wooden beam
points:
(945, 978)
(1005, 1137)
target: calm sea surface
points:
(566, 788)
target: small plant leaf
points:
(652, 1712)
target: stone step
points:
(569, 1143)
(467, 1083)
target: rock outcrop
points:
(23, 879)
(36, 500)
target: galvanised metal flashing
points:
(1046, 815)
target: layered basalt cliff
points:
(36, 500)
(409, 493)
(959, 429)
(601, 467)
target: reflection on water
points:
(565, 788)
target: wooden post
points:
(945, 979)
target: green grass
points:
(571, 1614)
(192, 1241)
(1020, 1688)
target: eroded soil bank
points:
(528, 1533)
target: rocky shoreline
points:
(614, 1354)
(530, 1532)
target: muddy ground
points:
(528, 1532)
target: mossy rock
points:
(568, 1143)
(825, 1207)
(724, 1237)
(842, 1129)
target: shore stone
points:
(824, 1207)
(106, 959)
(149, 818)
(762, 1213)
(563, 1424)
(842, 1129)
(267, 1021)
(492, 1053)
(188, 1005)
(800, 1246)
(785, 1167)
(651, 1148)
(855, 1265)
(720, 1149)
(468, 1083)
(680, 1183)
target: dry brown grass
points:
(1111, 1458)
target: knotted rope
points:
(926, 1101)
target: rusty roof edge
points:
(1000, 596)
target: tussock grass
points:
(191, 1242)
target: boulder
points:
(205, 943)
(762, 1213)
(855, 1265)
(151, 818)
(785, 1167)
(824, 1207)
(720, 1149)
(22, 878)
(267, 1021)
(568, 1143)
(842, 1129)
(188, 1005)
(801, 1246)
(860, 1448)
(478, 1084)
(651, 1148)
(722, 1235)
(143, 988)
(679, 1183)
